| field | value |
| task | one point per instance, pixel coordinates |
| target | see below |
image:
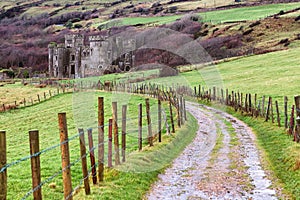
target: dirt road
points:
(222, 162)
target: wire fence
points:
(116, 133)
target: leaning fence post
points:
(100, 138)
(159, 120)
(140, 139)
(92, 155)
(116, 134)
(65, 156)
(35, 164)
(3, 173)
(124, 109)
(84, 162)
(150, 138)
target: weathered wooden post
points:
(3, 173)
(159, 120)
(116, 134)
(285, 112)
(92, 155)
(150, 137)
(35, 164)
(297, 104)
(109, 154)
(65, 156)
(268, 109)
(84, 162)
(171, 115)
(278, 114)
(140, 124)
(100, 138)
(124, 109)
(292, 121)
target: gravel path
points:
(222, 162)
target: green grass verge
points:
(142, 168)
(281, 153)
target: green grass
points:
(81, 113)
(10, 93)
(141, 170)
(220, 16)
(281, 154)
(247, 13)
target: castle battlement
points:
(96, 38)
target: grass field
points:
(220, 16)
(81, 113)
(10, 93)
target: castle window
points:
(91, 52)
(56, 58)
(72, 57)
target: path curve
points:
(222, 162)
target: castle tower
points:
(73, 40)
(51, 59)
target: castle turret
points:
(51, 59)
(73, 40)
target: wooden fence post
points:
(92, 155)
(116, 134)
(3, 174)
(171, 115)
(181, 110)
(35, 164)
(292, 121)
(297, 104)
(150, 138)
(100, 138)
(184, 110)
(285, 112)
(38, 96)
(124, 109)
(263, 106)
(140, 124)
(159, 120)
(65, 156)
(268, 109)
(84, 162)
(278, 115)
(109, 154)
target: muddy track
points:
(222, 162)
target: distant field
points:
(220, 16)
(10, 93)
(247, 13)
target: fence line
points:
(246, 103)
(66, 168)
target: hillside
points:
(27, 27)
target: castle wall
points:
(74, 60)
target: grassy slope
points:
(236, 14)
(43, 117)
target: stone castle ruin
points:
(74, 59)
